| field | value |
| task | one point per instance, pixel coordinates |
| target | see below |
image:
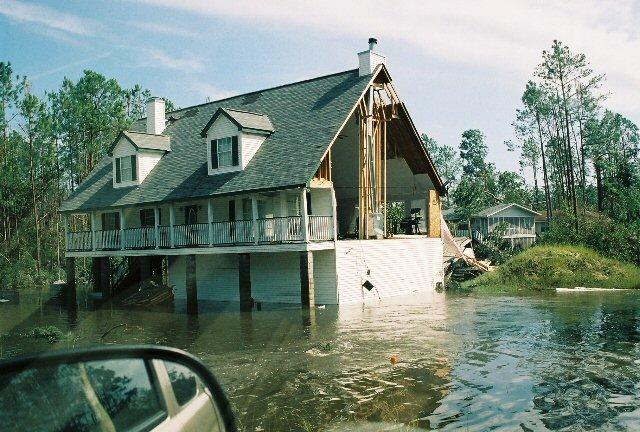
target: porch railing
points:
(268, 230)
(139, 238)
(79, 241)
(108, 240)
(191, 235)
(320, 227)
(280, 229)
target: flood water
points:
(559, 362)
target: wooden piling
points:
(192, 285)
(307, 288)
(70, 287)
(244, 281)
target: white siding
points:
(324, 277)
(275, 277)
(146, 161)
(216, 275)
(397, 266)
(249, 145)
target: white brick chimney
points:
(368, 60)
(155, 116)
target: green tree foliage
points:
(47, 147)
(588, 155)
(444, 157)
(473, 152)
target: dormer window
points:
(126, 169)
(224, 152)
(135, 154)
(233, 137)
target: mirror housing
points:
(119, 387)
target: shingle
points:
(251, 120)
(305, 115)
(498, 208)
(149, 141)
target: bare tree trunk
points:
(547, 195)
(36, 219)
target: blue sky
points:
(457, 65)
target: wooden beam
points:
(192, 285)
(307, 287)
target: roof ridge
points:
(145, 133)
(243, 111)
(258, 91)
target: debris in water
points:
(394, 359)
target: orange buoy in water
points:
(394, 359)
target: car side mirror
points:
(112, 388)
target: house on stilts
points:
(272, 196)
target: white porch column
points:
(254, 216)
(156, 223)
(305, 216)
(122, 229)
(210, 220)
(172, 222)
(93, 230)
(334, 206)
(283, 203)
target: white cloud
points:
(209, 93)
(42, 15)
(156, 58)
(68, 66)
(163, 29)
(502, 36)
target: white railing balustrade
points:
(164, 233)
(280, 229)
(79, 241)
(140, 238)
(191, 235)
(268, 230)
(320, 227)
(108, 240)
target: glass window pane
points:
(125, 168)
(224, 145)
(183, 382)
(224, 159)
(125, 390)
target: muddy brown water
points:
(559, 361)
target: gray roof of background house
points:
(451, 214)
(143, 140)
(500, 207)
(306, 116)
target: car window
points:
(183, 382)
(90, 396)
(127, 393)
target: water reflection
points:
(476, 363)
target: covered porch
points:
(280, 217)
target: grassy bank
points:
(557, 266)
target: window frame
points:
(232, 154)
(121, 166)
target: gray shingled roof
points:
(498, 208)
(250, 120)
(306, 116)
(148, 141)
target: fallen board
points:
(585, 289)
